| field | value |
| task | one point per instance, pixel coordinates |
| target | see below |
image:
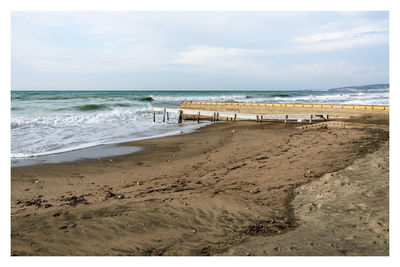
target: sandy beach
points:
(241, 188)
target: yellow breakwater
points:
(281, 108)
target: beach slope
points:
(228, 188)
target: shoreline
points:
(235, 178)
(105, 150)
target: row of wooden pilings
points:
(167, 113)
(214, 118)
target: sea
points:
(53, 122)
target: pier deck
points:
(334, 111)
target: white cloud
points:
(340, 35)
(204, 55)
(45, 58)
(219, 59)
(334, 69)
(334, 40)
(261, 46)
(246, 62)
(328, 68)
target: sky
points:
(192, 50)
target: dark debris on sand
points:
(153, 252)
(113, 195)
(207, 251)
(38, 203)
(269, 227)
(74, 200)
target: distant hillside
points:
(368, 87)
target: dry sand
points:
(230, 188)
(342, 213)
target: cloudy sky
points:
(198, 50)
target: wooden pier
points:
(334, 111)
(215, 116)
(253, 106)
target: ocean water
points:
(50, 122)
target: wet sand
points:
(229, 188)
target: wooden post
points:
(154, 116)
(234, 118)
(217, 116)
(310, 118)
(167, 116)
(261, 118)
(180, 116)
(163, 116)
(257, 118)
(198, 117)
(286, 117)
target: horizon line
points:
(286, 89)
